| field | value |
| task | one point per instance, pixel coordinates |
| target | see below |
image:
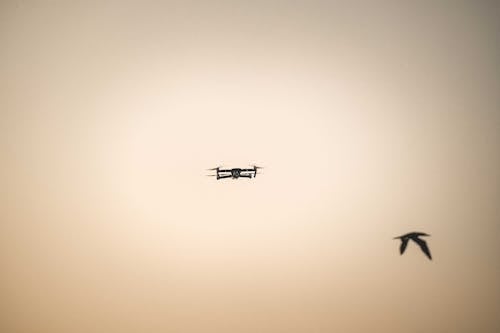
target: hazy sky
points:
(372, 119)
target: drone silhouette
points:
(235, 173)
(414, 236)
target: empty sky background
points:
(372, 119)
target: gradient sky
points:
(371, 120)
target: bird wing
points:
(419, 234)
(423, 246)
(404, 243)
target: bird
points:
(414, 236)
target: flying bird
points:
(414, 236)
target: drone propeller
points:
(255, 169)
(216, 168)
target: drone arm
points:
(246, 176)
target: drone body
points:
(235, 173)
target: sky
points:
(371, 120)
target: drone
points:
(235, 173)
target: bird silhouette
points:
(414, 236)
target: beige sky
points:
(370, 120)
